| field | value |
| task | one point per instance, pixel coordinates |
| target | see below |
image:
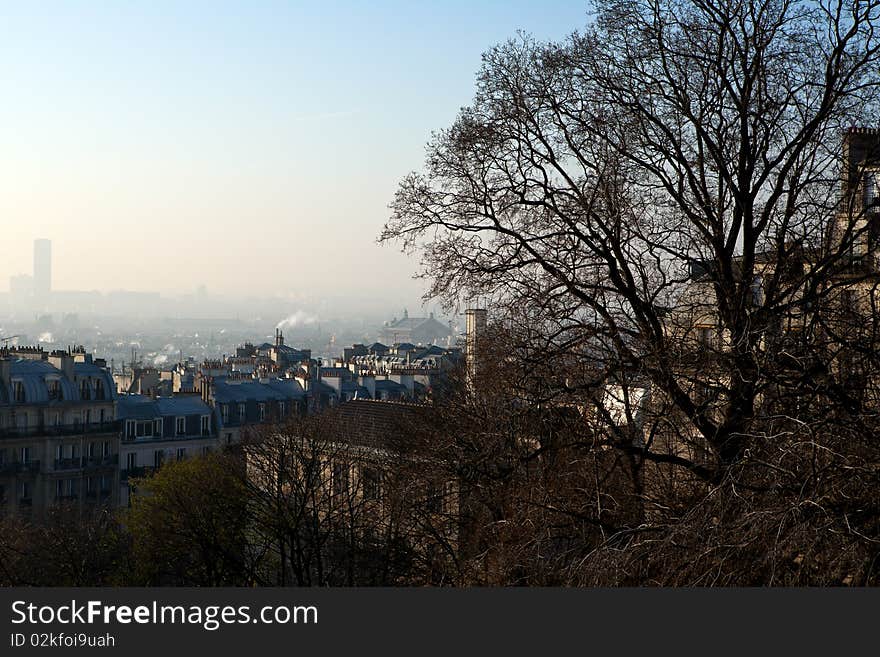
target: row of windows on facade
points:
(70, 487)
(62, 452)
(64, 489)
(437, 498)
(19, 420)
(56, 392)
(242, 411)
(151, 428)
(132, 458)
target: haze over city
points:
(252, 150)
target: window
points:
(93, 451)
(228, 438)
(758, 290)
(105, 483)
(370, 483)
(131, 461)
(206, 450)
(157, 428)
(102, 416)
(24, 490)
(90, 486)
(158, 458)
(85, 391)
(262, 412)
(25, 455)
(339, 478)
(105, 448)
(224, 412)
(181, 453)
(59, 487)
(206, 425)
(433, 498)
(18, 391)
(706, 336)
(872, 189)
(180, 426)
(88, 416)
(241, 412)
(282, 408)
(59, 451)
(99, 390)
(130, 428)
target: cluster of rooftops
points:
(259, 383)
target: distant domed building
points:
(417, 330)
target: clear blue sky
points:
(250, 135)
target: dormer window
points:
(18, 391)
(85, 392)
(180, 426)
(55, 391)
(99, 390)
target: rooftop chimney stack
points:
(474, 336)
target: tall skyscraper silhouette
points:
(42, 268)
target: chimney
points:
(62, 361)
(369, 382)
(405, 379)
(475, 333)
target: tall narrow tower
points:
(42, 268)
(475, 332)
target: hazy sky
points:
(248, 146)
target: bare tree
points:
(662, 207)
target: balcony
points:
(61, 429)
(95, 462)
(88, 462)
(18, 467)
(143, 471)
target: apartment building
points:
(59, 435)
(157, 430)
